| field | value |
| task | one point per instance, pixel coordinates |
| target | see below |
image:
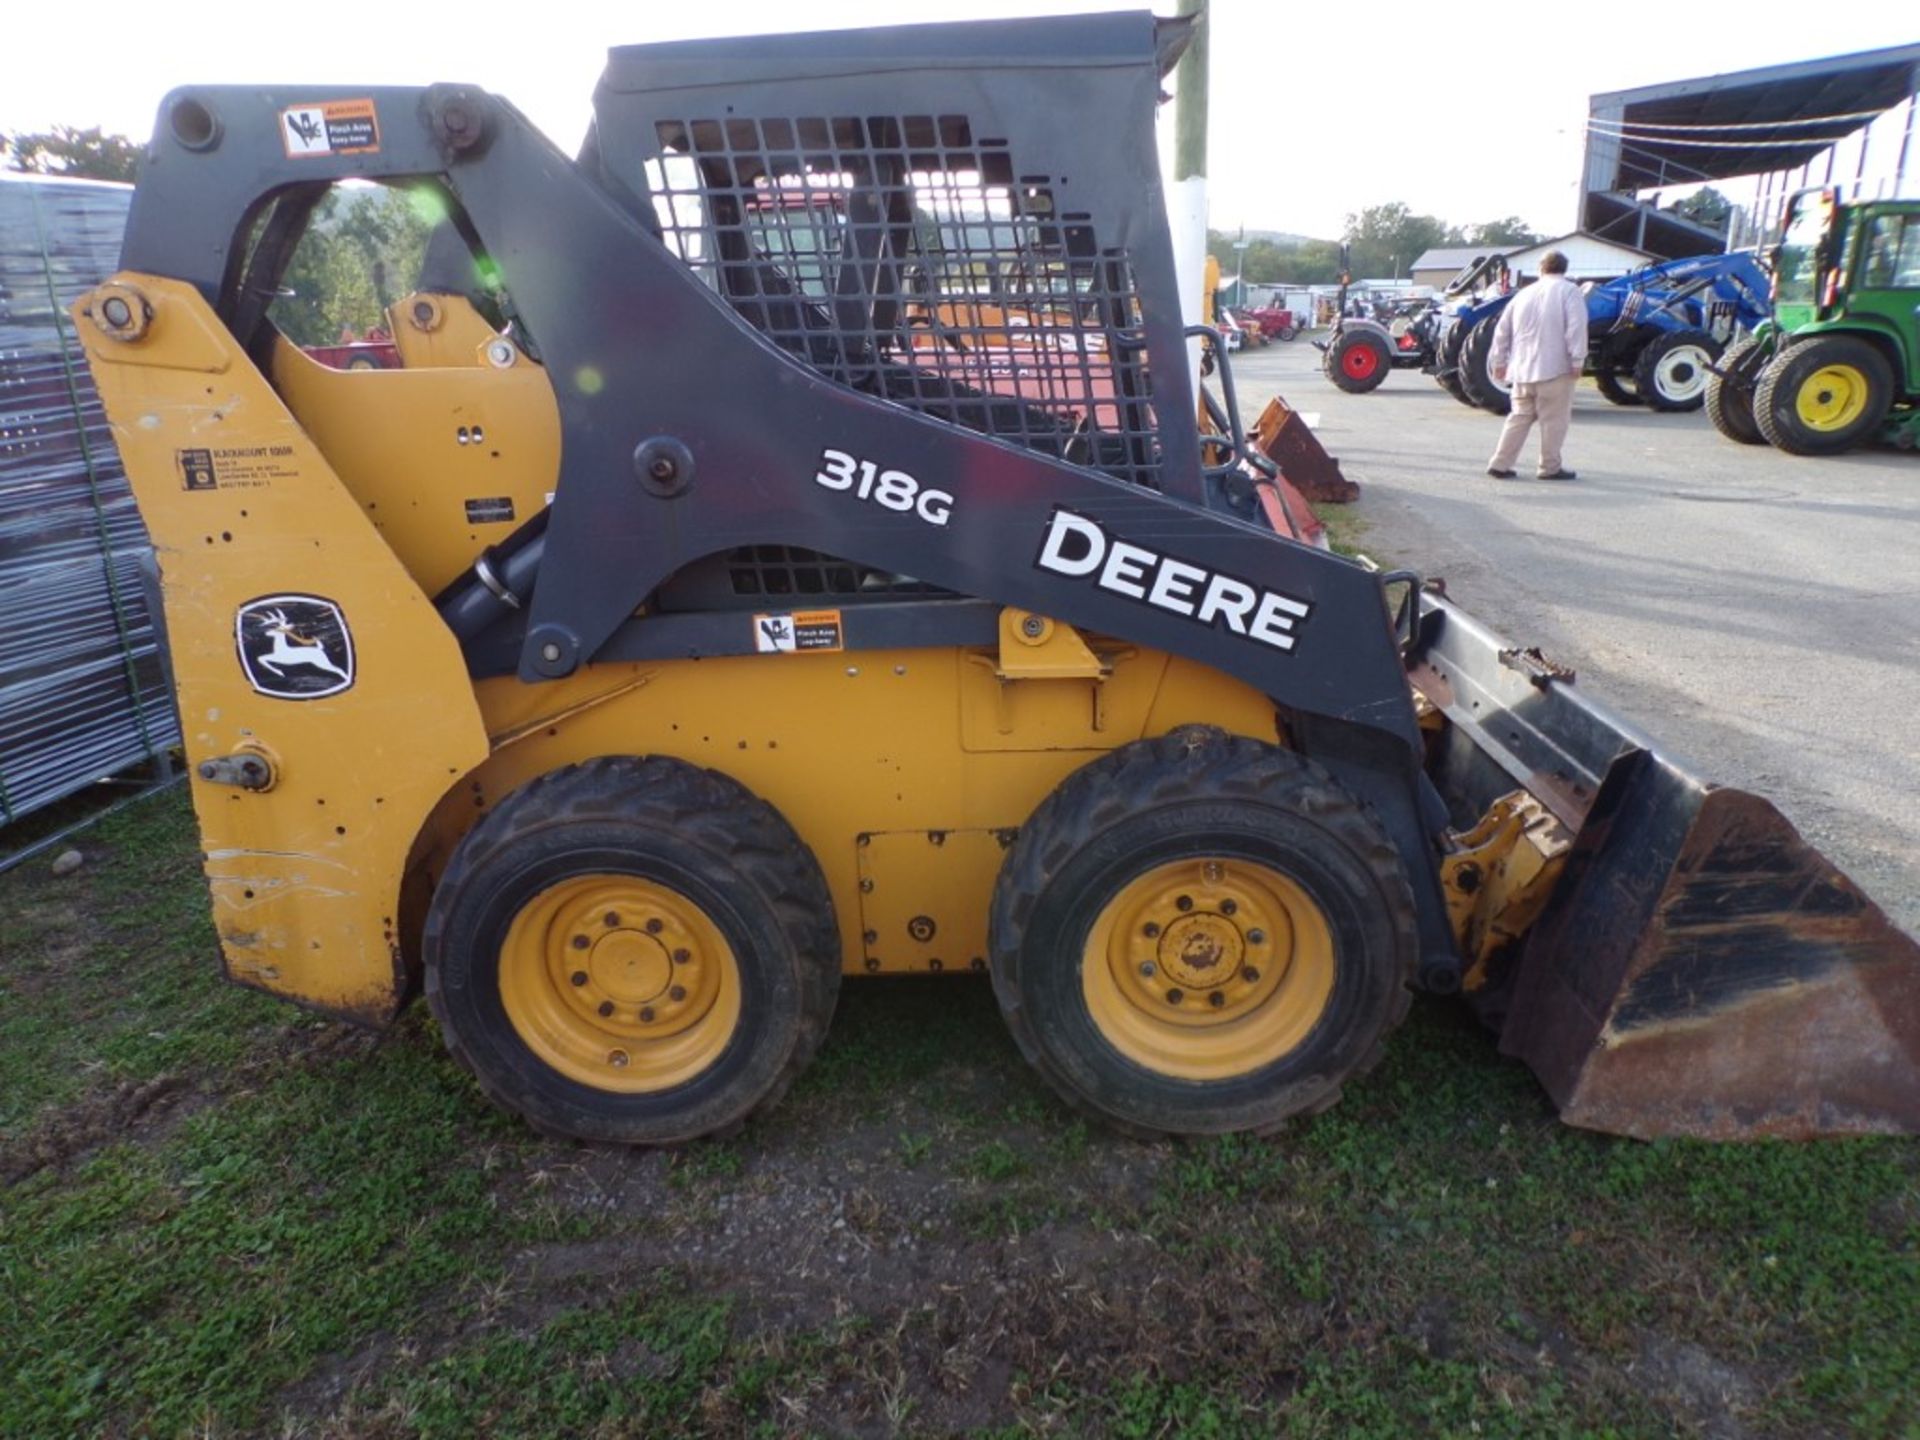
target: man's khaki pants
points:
(1551, 403)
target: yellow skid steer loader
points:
(719, 597)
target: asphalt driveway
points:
(1753, 610)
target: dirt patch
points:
(123, 1112)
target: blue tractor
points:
(1654, 334)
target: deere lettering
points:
(1079, 547)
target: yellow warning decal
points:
(798, 630)
(332, 127)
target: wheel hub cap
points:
(1201, 951)
(630, 967)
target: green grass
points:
(226, 1218)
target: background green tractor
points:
(1839, 363)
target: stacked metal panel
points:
(83, 694)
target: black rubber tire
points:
(1335, 363)
(1774, 398)
(1730, 392)
(1683, 385)
(1616, 386)
(1447, 362)
(1289, 332)
(677, 825)
(1475, 371)
(1199, 791)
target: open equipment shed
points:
(1786, 125)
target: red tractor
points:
(1278, 324)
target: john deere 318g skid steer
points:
(787, 549)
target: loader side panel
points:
(905, 772)
(300, 643)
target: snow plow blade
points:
(1696, 968)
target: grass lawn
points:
(219, 1216)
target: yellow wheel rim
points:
(1207, 969)
(620, 983)
(1832, 398)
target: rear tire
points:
(632, 950)
(1476, 371)
(1823, 395)
(1358, 362)
(1730, 392)
(1447, 362)
(1202, 934)
(1671, 373)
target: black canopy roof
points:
(1745, 123)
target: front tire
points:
(1730, 392)
(1672, 372)
(1358, 362)
(1202, 934)
(632, 950)
(1823, 395)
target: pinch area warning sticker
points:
(796, 631)
(333, 127)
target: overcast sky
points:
(1318, 108)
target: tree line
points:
(1384, 241)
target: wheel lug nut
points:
(654, 927)
(580, 942)
(1174, 997)
(1185, 902)
(579, 977)
(678, 992)
(612, 918)
(1228, 907)
(680, 957)
(1250, 975)
(646, 1015)
(1150, 929)
(1216, 999)
(617, 1059)
(606, 1007)
(1256, 937)
(1149, 969)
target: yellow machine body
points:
(904, 772)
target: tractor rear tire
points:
(1730, 392)
(1202, 934)
(1358, 362)
(632, 950)
(1823, 395)
(1671, 373)
(1616, 386)
(1476, 372)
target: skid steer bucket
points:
(1698, 968)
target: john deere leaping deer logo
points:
(294, 647)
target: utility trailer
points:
(699, 615)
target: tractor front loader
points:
(719, 599)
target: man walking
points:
(1540, 344)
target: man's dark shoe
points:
(1500, 474)
(1557, 475)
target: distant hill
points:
(1284, 238)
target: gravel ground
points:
(1751, 609)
